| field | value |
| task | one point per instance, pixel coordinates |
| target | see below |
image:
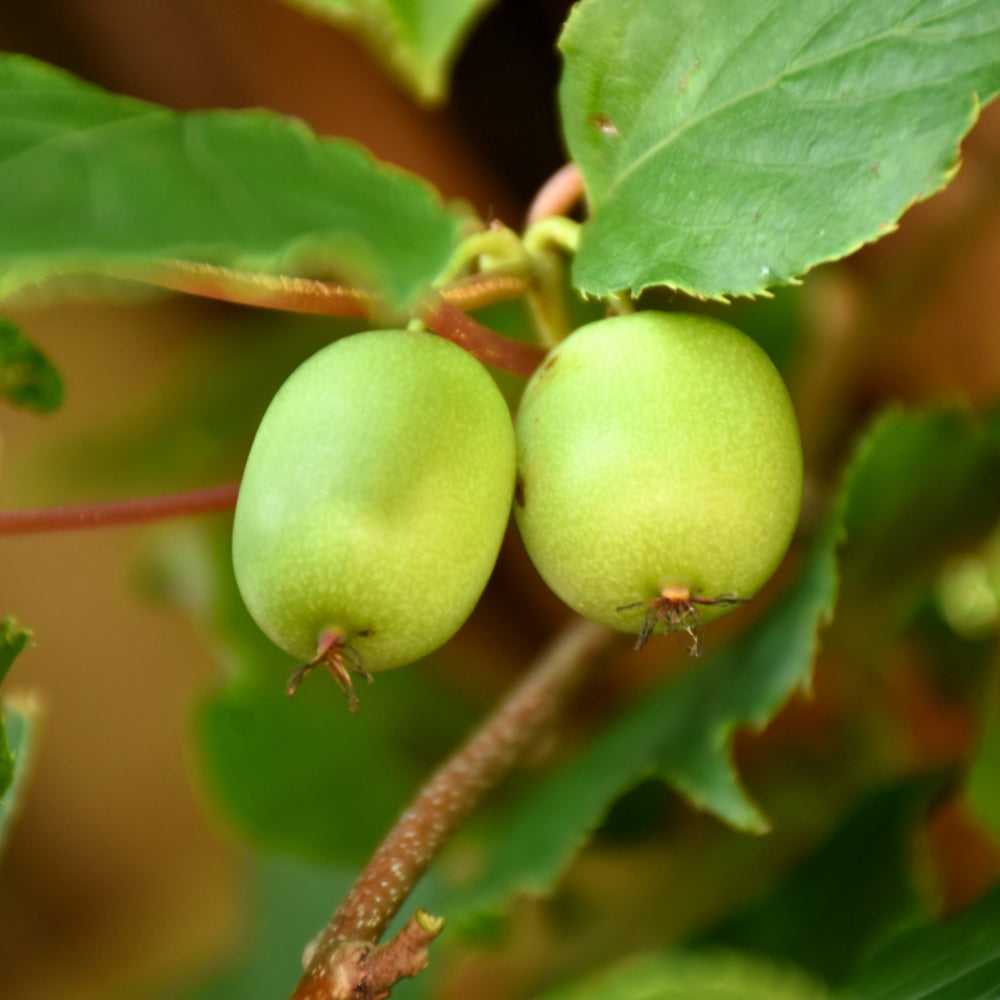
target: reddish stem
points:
(112, 512)
(446, 800)
(270, 291)
(447, 320)
(479, 290)
(306, 295)
(557, 195)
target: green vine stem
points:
(344, 961)
(497, 247)
(548, 241)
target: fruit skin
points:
(656, 450)
(375, 498)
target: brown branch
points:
(557, 195)
(365, 971)
(443, 804)
(448, 321)
(114, 512)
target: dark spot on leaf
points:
(604, 124)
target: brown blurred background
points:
(114, 877)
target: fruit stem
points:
(448, 321)
(442, 805)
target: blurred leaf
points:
(926, 487)
(27, 378)
(299, 775)
(957, 960)
(287, 903)
(416, 40)
(826, 916)
(18, 735)
(96, 183)
(709, 975)
(16, 729)
(13, 640)
(984, 775)
(726, 147)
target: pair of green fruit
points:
(655, 467)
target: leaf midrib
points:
(696, 120)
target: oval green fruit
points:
(374, 500)
(659, 471)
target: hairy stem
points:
(446, 800)
(112, 512)
(307, 295)
(271, 291)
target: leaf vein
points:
(75, 135)
(696, 120)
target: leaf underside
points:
(728, 147)
(93, 183)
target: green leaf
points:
(27, 378)
(13, 641)
(931, 476)
(416, 40)
(826, 916)
(16, 729)
(18, 736)
(709, 975)
(288, 772)
(727, 147)
(300, 775)
(92, 183)
(957, 960)
(984, 775)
